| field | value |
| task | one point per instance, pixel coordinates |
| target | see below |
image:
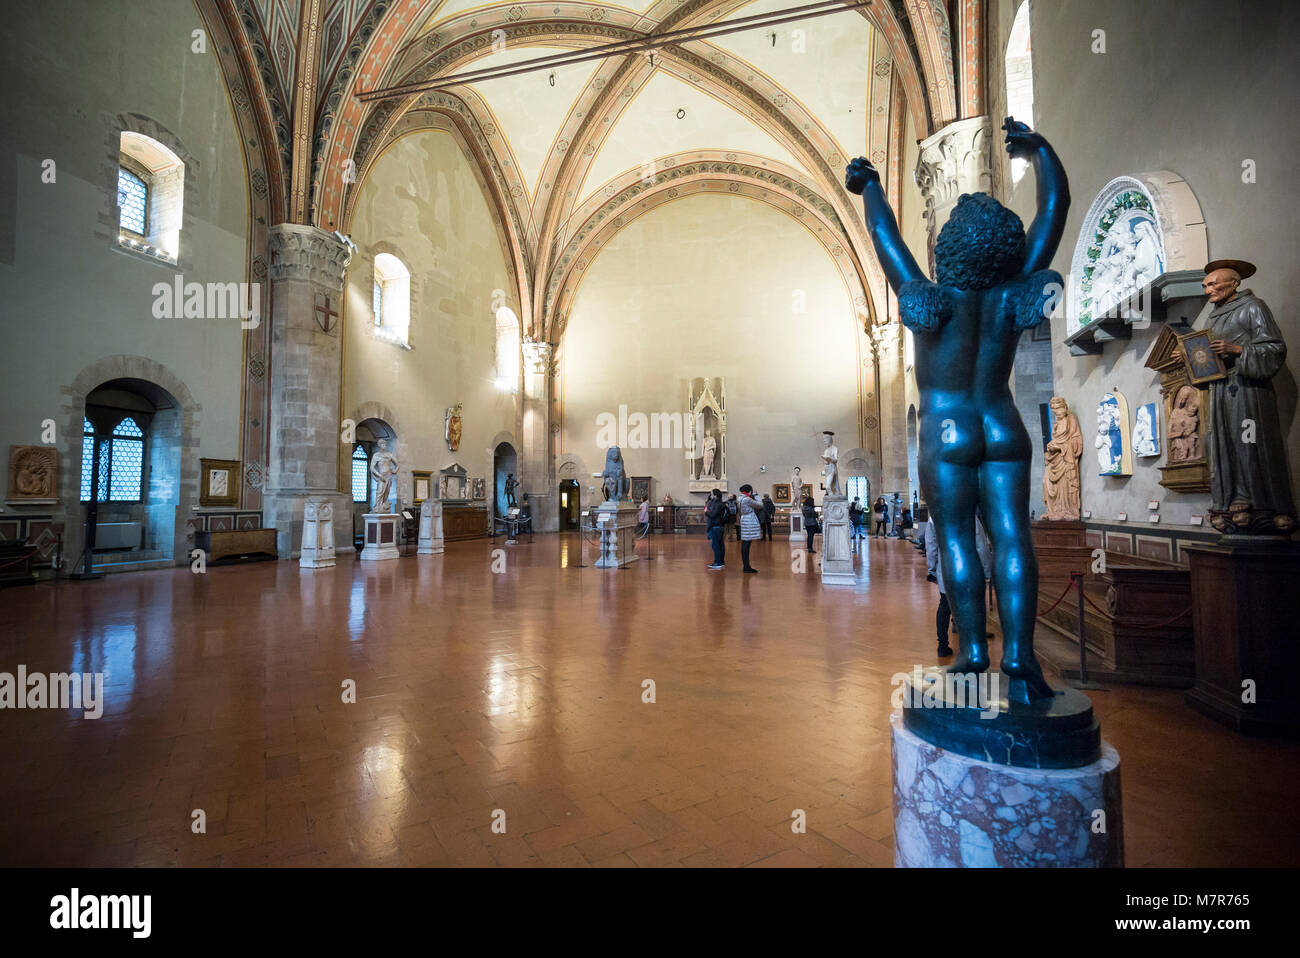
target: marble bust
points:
(831, 469)
(383, 468)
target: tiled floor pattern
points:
(522, 691)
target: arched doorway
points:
(366, 441)
(505, 463)
(130, 483)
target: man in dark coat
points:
(769, 513)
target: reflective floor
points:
(518, 696)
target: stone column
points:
(891, 386)
(535, 466)
(306, 274)
(952, 162)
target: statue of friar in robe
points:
(1250, 489)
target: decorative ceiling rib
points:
(300, 112)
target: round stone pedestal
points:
(951, 811)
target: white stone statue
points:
(1144, 432)
(796, 488)
(831, 458)
(710, 452)
(383, 467)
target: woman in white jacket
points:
(751, 526)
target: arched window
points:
(507, 349)
(1020, 80)
(121, 463)
(150, 196)
(87, 459)
(392, 299)
(360, 474)
(133, 201)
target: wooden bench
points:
(239, 543)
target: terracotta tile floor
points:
(522, 691)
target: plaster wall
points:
(70, 297)
(704, 286)
(1169, 94)
(422, 203)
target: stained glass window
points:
(857, 486)
(360, 475)
(378, 303)
(133, 201)
(87, 459)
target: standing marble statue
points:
(831, 469)
(710, 453)
(796, 487)
(383, 468)
(1061, 497)
(1250, 489)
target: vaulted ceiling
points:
(569, 155)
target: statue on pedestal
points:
(1061, 497)
(796, 488)
(511, 485)
(831, 469)
(616, 483)
(991, 284)
(383, 468)
(1250, 489)
(710, 452)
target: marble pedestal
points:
(796, 524)
(317, 535)
(430, 541)
(951, 811)
(381, 536)
(617, 524)
(837, 556)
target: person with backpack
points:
(750, 525)
(810, 523)
(733, 513)
(715, 514)
(855, 517)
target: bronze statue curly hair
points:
(981, 245)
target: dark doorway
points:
(570, 504)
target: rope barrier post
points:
(1082, 682)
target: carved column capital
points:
(886, 338)
(308, 253)
(954, 161)
(537, 356)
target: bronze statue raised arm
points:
(990, 285)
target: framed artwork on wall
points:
(781, 492)
(1203, 364)
(640, 488)
(423, 484)
(220, 486)
(479, 487)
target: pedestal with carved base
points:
(381, 536)
(430, 541)
(837, 555)
(617, 524)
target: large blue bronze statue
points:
(991, 284)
